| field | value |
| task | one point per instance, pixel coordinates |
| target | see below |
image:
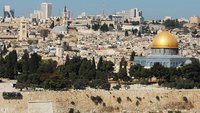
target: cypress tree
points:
(93, 70)
(11, 65)
(2, 65)
(25, 62)
(132, 56)
(34, 62)
(100, 64)
(126, 33)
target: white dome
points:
(58, 29)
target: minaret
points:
(66, 14)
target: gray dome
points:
(187, 62)
(58, 29)
(32, 33)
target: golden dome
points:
(164, 40)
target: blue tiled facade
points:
(166, 57)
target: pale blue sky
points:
(152, 9)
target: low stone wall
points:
(137, 101)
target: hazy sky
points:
(152, 9)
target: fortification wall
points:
(137, 101)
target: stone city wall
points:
(137, 101)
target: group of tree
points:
(134, 32)
(95, 27)
(171, 24)
(104, 28)
(76, 73)
(186, 77)
(8, 65)
(31, 71)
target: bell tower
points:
(23, 33)
(66, 15)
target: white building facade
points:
(46, 10)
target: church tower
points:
(23, 33)
(66, 15)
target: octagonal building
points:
(164, 50)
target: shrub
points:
(185, 99)
(137, 103)
(117, 87)
(106, 86)
(71, 110)
(72, 103)
(104, 104)
(119, 100)
(80, 84)
(32, 42)
(128, 99)
(97, 100)
(184, 84)
(177, 111)
(158, 98)
(127, 86)
(140, 99)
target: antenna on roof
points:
(103, 6)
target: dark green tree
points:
(126, 33)
(47, 66)
(132, 56)
(93, 70)
(134, 31)
(67, 61)
(194, 31)
(25, 62)
(104, 27)
(52, 25)
(135, 23)
(171, 24)
(2, 66)
(80, 83)
(61, 36)
(95, 27)
(192, 71)
(126, 21)
(111, 27)
(72, 66)
(93, 63)
(136, 71)
(139, 34)
(159, 71)
(34, 62)
(122, 74)
(100, 63)
(108, 68)
(11, 65)
(56, 82)
(86, 71)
